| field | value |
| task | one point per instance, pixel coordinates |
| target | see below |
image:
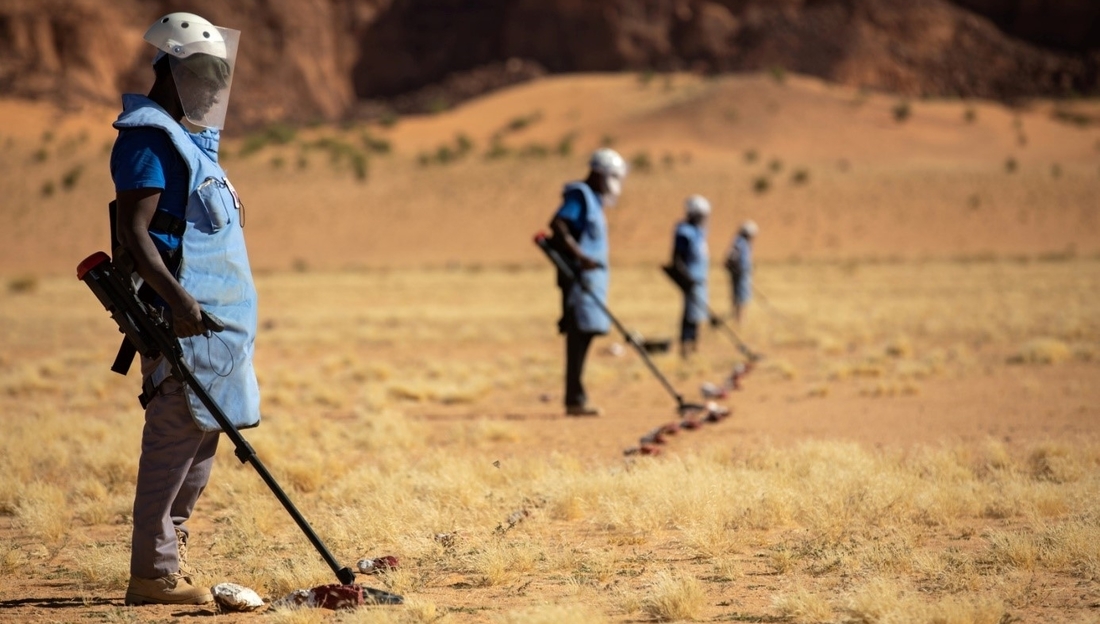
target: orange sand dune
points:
(845, 178)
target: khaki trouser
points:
(176, 459)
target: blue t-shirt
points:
(145, 158)
(574, 213)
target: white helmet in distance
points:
(202, 57)
(749, 229)
(609, 164)
(697, 206)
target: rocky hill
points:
(306, 60)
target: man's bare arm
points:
(135, 213)
(561, 230)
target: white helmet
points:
(697, 206)
(184, 34)
(749, 229)
(607, 162)
(202, 58)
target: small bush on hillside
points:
(751, 156)
(775, 165)
(71, 177)
(565, 145)
(1011, 165)
(800, 176)
(375, 145)
(902, 111)
(640, 162)
(646, 77)
(778, 74)
(40, 155)
(607, 140)
(970, 115)
(761, 184)
(534, 150)
(520, 123)
(668, 160)
(388, 119)
(47, 188)
(25, 284)
(1056, 171)
(497, 150)
(974, 202)
(731, 115)
(277, 162)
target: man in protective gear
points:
(179, 226)
(580, 236)
(739, 265)
(690, 263)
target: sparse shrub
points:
(761, 184)
(388, 119)
(565, 145)
(751, 156)
(463, 144)
(1041, 351)
(1011, 165)
(25, 284)
(359, 166)
(668, 160)
(640, 162)
(303, 161)
(534, 150)
(673, 599)
(424, 159)
(1071, 117)
(444, 154)
(775, 165)
(375, 145)
(47, 189)
(497, 150)
(778, 74)
(902, 110)
(800, 176)
(520, 123)
(1056, 171)
(40, 155)
(71, 177)
(607, 140)
(277, 162)
(1021, 139)
(730, 115)
(275, 134)
(47, 136)
(437, 105)
(970, 115)
(646, 77)
(974, 202)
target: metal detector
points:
(682, 406)
(151, 336)
(716, 321)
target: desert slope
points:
(844, 177)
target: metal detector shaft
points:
(715, 319)
(151, 336)
(563, 266)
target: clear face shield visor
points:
(203, 73)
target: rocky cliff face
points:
(321, 59)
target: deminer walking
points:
(580, 236)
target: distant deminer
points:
(739, 265)
(580, 236)
(179, 227)
(689, 267)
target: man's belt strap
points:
(168, 224)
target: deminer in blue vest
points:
(691, 261)
(179, 225)
(739, 266)
(580, 235)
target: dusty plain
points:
(921, 442)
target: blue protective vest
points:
(690, 246)
(586, 314)
(741, 253)
(214, 269)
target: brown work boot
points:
(171, 589)
(582, 410)
(181, 546)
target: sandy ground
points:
(902, 276)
